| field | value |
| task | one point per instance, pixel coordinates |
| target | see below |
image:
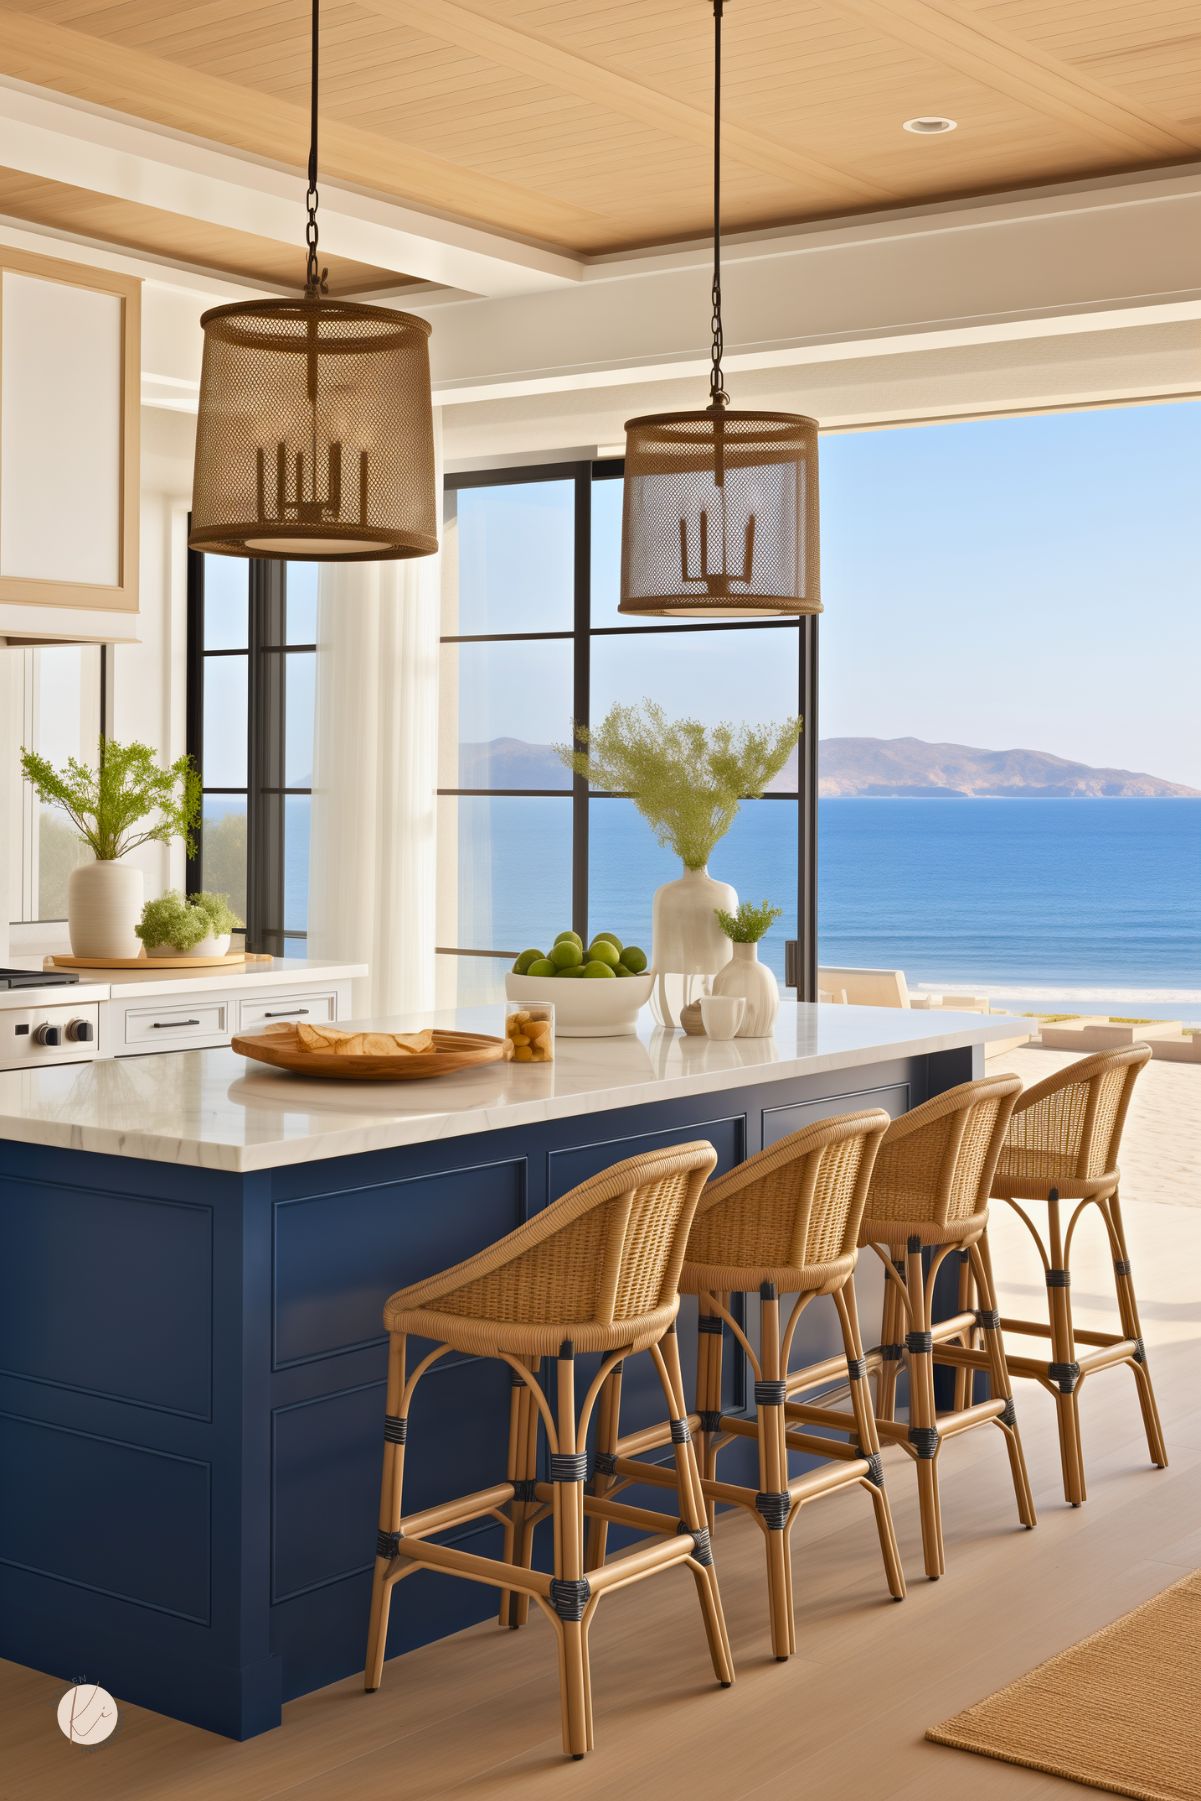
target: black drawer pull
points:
(171, 1025)
(291, 1013)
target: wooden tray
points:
(280, 1046)
(144, 962)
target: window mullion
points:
(581, 710)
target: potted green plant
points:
(687, 780)
(198, 925)
(744, 975)
(128, 799)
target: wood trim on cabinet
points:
(122, 597)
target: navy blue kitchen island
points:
(195, 1256)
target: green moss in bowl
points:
(196, 926)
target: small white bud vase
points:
(744, 975)
(686, 940)
(104, 904)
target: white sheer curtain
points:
(372, 857)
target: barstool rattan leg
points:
(1128, 1313)
(892, 1332)
(391, 1489)
(693, 1512)
(608, 1423)
(869, 1439)
(1064, 1369)
(963, 1376)
(523, 1511)
(923, 1416)
(569, 1594)
(998, 1377)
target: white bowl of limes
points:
(597, 990)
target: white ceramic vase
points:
(687, 944)
(104, 904)
(744, 975)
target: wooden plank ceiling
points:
(585, 123)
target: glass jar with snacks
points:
(530, 1032)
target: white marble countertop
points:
(127, 984)
(216, 1110)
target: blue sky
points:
(1032, 582)
(1009, 582)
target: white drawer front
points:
(198, 1021)
(318, 1009)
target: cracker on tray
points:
(331, 1040)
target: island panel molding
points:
(331, 1251)
(160, 1286)
(70, 350)
(289, 1457)
(134, 1560)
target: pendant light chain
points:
(717, 391)
(315, 282)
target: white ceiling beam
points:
(1128, 248)
(55, 139)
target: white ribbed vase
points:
(104, 904)
(744, 975)
(687, 944)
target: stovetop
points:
(37, 978)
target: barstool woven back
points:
(600, 1266)
(789, 1215)
(934, 1172)
(1066, 1130)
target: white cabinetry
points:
(69, 453)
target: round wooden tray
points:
(280, 1046)
(144, 962)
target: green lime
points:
(570, 938)
(621, 970)
(598, 969)
(603, 950)
(566, 954)
(543, 967)
(522, 966)
(634, 959)
(577, 971)
(610, 938)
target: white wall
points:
(149, 679)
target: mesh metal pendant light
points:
(315, 436)
(719, 516)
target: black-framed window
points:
(531, 639)
(252, 629)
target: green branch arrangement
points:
(108, 804)
(750, 923)
(685, 778)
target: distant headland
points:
(875, 768)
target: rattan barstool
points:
(929, 1191)
(1062, 1145)
(784, 1222)
(597, 1271)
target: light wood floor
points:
(477, 1715)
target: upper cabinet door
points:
(69, 457)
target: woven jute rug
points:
(1119, 1711)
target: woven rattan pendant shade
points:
(719, 516)
(315, 435)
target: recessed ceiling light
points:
(929, 127)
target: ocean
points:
(1087, 906)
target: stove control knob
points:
(48, 1035)
(80, 1031)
